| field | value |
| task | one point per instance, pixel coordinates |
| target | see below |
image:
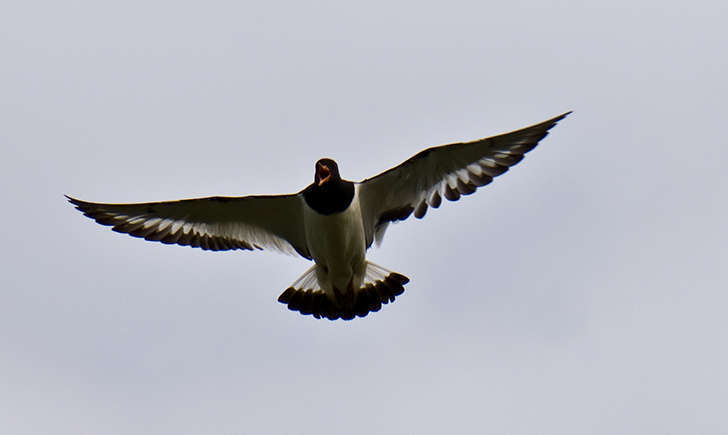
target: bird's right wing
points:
(215, 223)
(448, 170)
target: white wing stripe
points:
(176, 225)
(474, 168)
(463, 175)
(152, 222)
(166, 223)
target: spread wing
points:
(215, 223)
(448, 170)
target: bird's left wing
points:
(447, 170)
(215, 223)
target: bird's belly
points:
(337, 244)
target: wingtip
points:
(562, 116)
(71, 199)
(76, 202)
(550, 123)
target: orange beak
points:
(323, 173)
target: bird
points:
(332, 222)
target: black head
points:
(326, 171)
(328, 194)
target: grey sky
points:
(582, 292)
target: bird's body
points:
(337, 244)
(332, 221)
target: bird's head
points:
(326, 170)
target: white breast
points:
(337, 245)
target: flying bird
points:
(333, 221)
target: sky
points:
(582, 292)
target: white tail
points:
(380, 286)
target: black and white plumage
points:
(332, 221)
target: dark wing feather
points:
(215, 223)
(448, 170)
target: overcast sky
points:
(582, 292)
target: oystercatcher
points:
(332, 221)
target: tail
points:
(380, 286)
